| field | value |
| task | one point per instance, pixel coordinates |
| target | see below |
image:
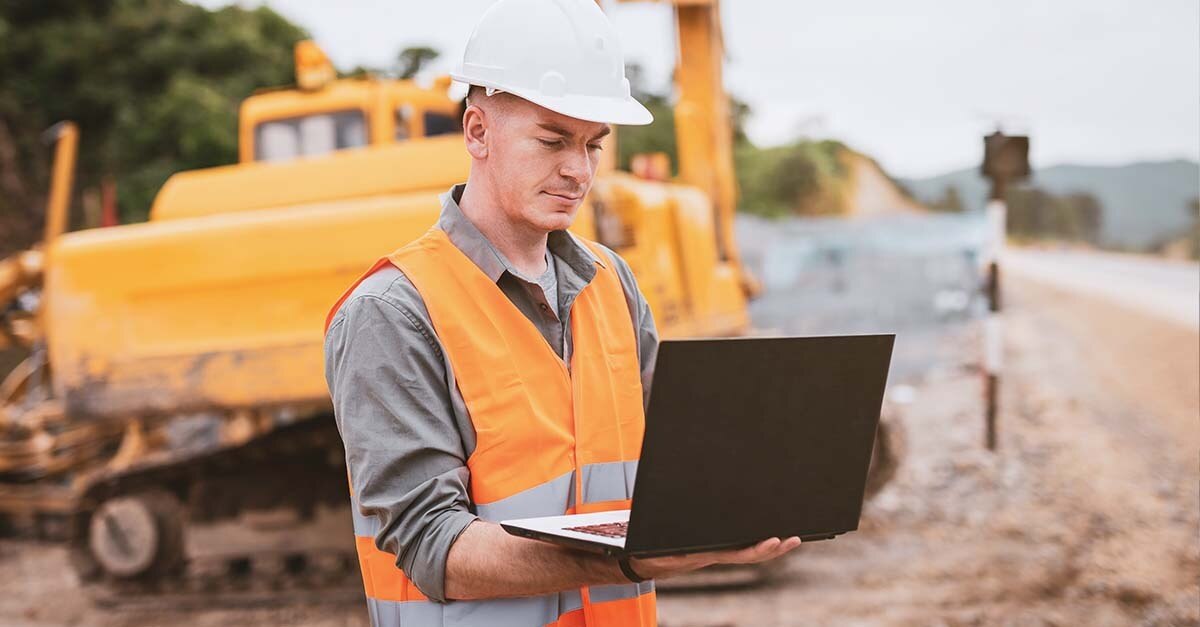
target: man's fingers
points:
(751, 554)
(766, 550)
(784, 548)
(748, 554)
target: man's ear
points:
(475, 130)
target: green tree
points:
(411, 60)
(659, 135)
(795, 177)
(154, 85)
(1037, 214)
(802, 177)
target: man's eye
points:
(595, 147)
(550, 143)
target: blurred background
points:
(166, 451)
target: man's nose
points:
(577, 165)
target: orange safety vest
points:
(549, 441)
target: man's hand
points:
(663, 567)
(485, 562)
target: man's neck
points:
(525, 248)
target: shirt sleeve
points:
(643, 322)
(406, 458)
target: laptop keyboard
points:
(608, 530)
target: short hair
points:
(475, 93)
(498, 102)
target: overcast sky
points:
(912, 83)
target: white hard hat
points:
(560, 54)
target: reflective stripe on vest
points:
(548, 441)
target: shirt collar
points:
(472, 242)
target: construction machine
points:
(171, 420)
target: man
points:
(496, 367)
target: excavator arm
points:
(22, 272)
(703, 122)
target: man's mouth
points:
(565, 197)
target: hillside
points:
(816, 178)
(1144, 203)
(872, 192)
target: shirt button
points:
(544, 307)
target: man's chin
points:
(557, 222)
(556, 218)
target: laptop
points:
(746, 439)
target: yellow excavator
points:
(171, 420)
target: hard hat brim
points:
(624, 111)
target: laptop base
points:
(551, 529)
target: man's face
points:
(542, 163)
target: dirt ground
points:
(1089, 514)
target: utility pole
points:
(1005, 160)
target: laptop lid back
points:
(748, 438)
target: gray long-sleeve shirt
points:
(403, 422)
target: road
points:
(1157, 287)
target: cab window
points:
(441, 124)
(309, 135)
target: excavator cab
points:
(327, 114)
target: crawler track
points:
(257, 523)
